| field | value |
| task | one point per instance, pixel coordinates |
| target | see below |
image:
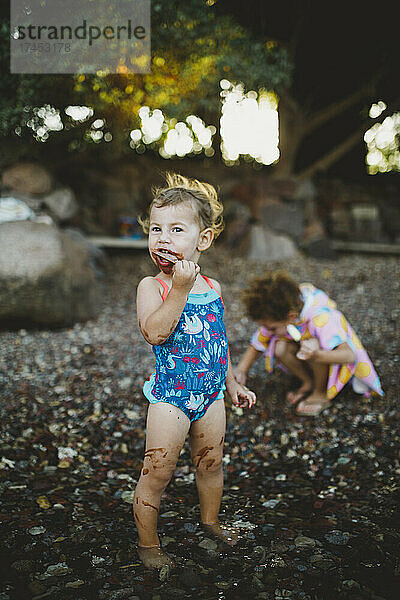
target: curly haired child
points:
(300, 327)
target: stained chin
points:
(167, 269)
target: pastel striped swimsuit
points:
(191, 365)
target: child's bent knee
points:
(281, 348)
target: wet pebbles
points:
(316, 500)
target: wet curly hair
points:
(202, 196)
(272, 296)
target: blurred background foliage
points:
(193, 48)
(326, 64)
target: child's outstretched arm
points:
(341, 355)
(248, 358)
(158, 319)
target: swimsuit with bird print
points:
(191, 365)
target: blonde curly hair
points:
(202, 196)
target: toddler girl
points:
(180, 313)
(300, 326)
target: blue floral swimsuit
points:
(191, 365)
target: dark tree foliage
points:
(326, 61)
(192, 49)
(345, 56)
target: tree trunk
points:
(291, 121)
(295, 124)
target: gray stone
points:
(164, 573)
(37, 530)
(351, 584)
(267, 246)
(208, 544)
(74, 584)
(165, 540)
(271, 503)
(97, 257)
(36, 588)
(276, 562)
(259, 553)
(222, 585)
(61, 204)
(127, 496)
(256, 584)
(304, 542)
(338, 538)
(284, 217)
(46, 277)
(279, 546)
(56, 570)
(322, 562)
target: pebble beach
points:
(315, 499)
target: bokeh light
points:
(249, 124)
(79, 113)
(382, 140)
(45, 118)
(151, 124)
(377, 109)
(173, 138)
(249, 128)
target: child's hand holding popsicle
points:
(308, 348)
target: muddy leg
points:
(167, 427)
(207, 445)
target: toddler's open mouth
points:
(165, 255)
(166, 258)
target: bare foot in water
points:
(228, 535)
(154, 557)
(296, 396)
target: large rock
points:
(61, 204)
(27, 178)
(284, 217)
(266, 246)
(47, 276)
